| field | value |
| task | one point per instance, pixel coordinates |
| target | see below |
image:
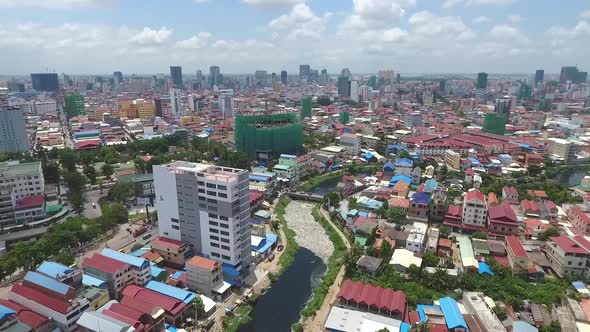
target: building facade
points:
(13, 133)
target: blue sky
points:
(241, 36)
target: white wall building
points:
(475, 209)
(213, 207)
(42, 107)
(226, 103)
(354, 91)
(351, 142)
(176, 103)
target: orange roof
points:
(202, 262)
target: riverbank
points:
(291, 245)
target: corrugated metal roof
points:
(47, 282)
(96, 321)
(125, 258)
(175, 292)
(5, 312)
(88, 280)
(452, 313)
(54, 269)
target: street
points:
(93, 196)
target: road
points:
(92, 196)
(317, 324)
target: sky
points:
(241, 36)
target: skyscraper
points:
(324, 76)
(343, 86)
(48, 82)
(304, 71)
(226, 103)
(539, 76)
(305, 107)
(260, 77)
(74, 105)
(158, 107)
(118, 77)
(176, 103)
(284, 77)
(214, 76)
(480, 87)
(176, 76)
(199, 79)
(206, 206)
(503, 106)
(346, 72)
(354, 91)
(13, 134)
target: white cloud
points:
(272, 3)
(585, 14)
(508, 33)
(149, 36)
(453, 3)
(515, 18)
(48, 4)
(199, 40)
(300, 23)
(481, 20)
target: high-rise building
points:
(572, 74)
(176, 76)
(226, 103)
(200, 79)
(176, 103)
(214, 76)
(304, 71)
(190, 100)
(284, 77)
(260, 77)
(158, 107)
(306, 107)
(20, 183)
(118, 77)
(503, 106)
(13, 133)
(539, 76)
(75, 105)
(354, 91)
(365, 92)
(525, 90)
(324, 76)
(346, 72)
(273, 77)
(344, 117)
(343, 86)
(48, 82)
(482, 81)
(388, 75)
(494, 123)
(208, 207)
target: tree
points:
(397, 214)
(107, 171)
(534, 170)
(386, 251)
(51, 172)
(90, 173)
(552, 231)
(77, 200)
(274, 225)
(430, 259)
(118, 213)
(68, 159)
(333, 199)
(121, 191)
(500, 312)
(200, 306)
(75, 181)
(554, 326)
(445, 231)
(140, 165)
(383, 211)
(479, 235)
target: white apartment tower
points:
(206, 206)
(176, 103)
(226, 103)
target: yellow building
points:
(453, 159)
(126, 109)
(144, 109)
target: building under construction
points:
(265, 135)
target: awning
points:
(222, 288)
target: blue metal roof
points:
(578, 284)
(177, 275)
(474, 161)
(430, 185)
(395, 147)
(5, 312)
(452, 313)
(395, 179)
(404, 327)
(258, 178)
(88, 280)
(156, 271)
(404, 162)
(485, 268)
(522, 326)
(388, 166)
(230, 270)
(47, 282)
(421, 198)
(368, 155)
(139, 252)
(54, 269)
(125, 258)
(422, 314)
(290, 156)
(268, 242)
(175, 292)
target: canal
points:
(280, 307)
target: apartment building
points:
(174, 252)
(117, 274)
(452, 159)
(566, 256)
(140, 268)
(204, 275)
(208, 207)
(580, 220)
(351, 142)
(22, 190)
(475, 210)
(517, 256)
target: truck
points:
(140, 231)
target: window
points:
(224, 240)
(175, 227)
(213, 244)
(213, 230)
(222, 225)
(225, 247)
(211, 185)
(211, 215)
(200, 183)
(224, 218)
(212, 237)
(202, 191)
(211, 200)
(214, 254)
(174, 220)
(225, 257)
(213, 223)
(202, 198)
(222, 195)
(212, 193)
(224, 233)
(221, 187)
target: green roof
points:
(53, 208)
(137, 178)
(12, 168)
(282, 167)
(360, 240)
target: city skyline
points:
(446, 36)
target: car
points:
(94, 205)
(271, 257)
(280, 248)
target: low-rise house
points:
(402, 259)
(419, 205)
(173, 251)
(416, 237)
(205, 275)
(438, 205)
(510, 194)
(470, 264)
(175, 311)
(369, 263)
(368, 298)
(517, 256)
(475, 211)
(139, 267)
(580, 220)
(502, 220)
(115, 273)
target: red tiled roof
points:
(139, 305)
(167, 303)
(568, 245)
(136, 324)
(579, 213)
(202, 262)
(255, 195)
(30, 201)
(537, 193)
(514, 243)
(105, 264)
(529, 205)
(492, 199)
(377, 297)
(40, 298)
(88, 144)
(126, 311)
(502, 214)
(167, 242)
(25, 315)
(399, 202)
(510, 190)
(581, 240)
(455, 211)
(475, 194)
